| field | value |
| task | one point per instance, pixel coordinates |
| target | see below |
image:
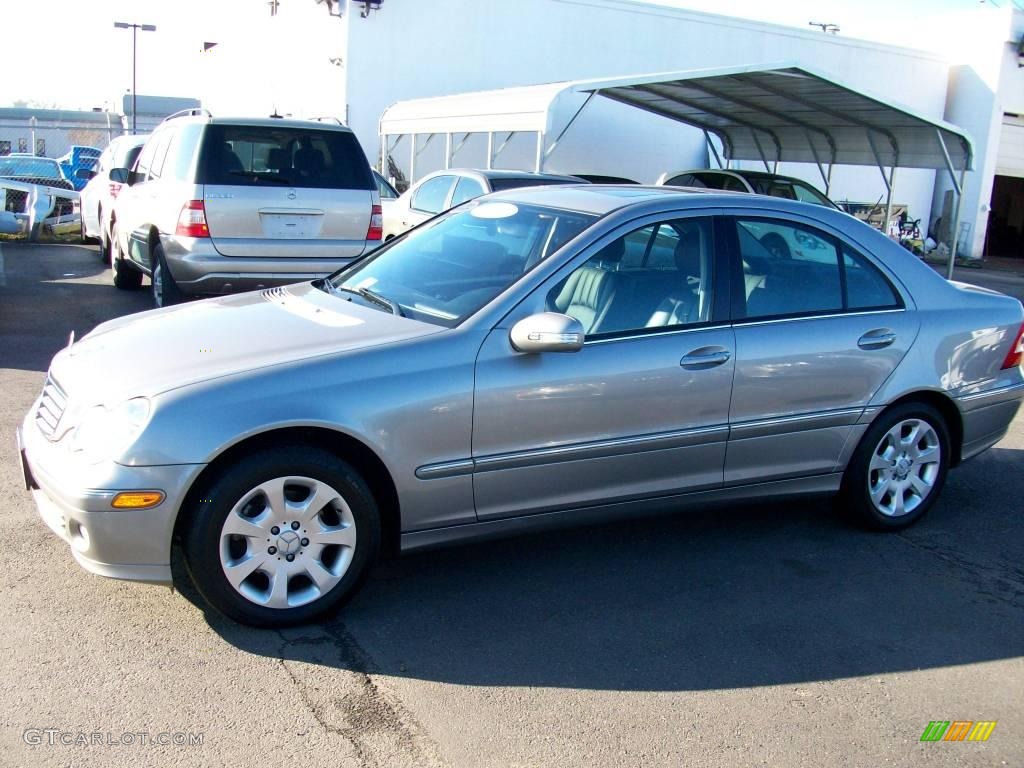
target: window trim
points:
(739, 299)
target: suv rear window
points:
(252, 156)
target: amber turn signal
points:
(137, 499)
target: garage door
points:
(1010, 161)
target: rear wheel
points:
(899, 468)
(165, 289)
(126, 278)
(282, 536)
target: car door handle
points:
(705, 357)
(879, 338)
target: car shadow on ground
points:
(731, 597)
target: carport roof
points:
(783, 112)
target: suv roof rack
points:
(191, 112)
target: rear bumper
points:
(987, 415)
(199, 269)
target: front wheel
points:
(899, 468)
(282, 537)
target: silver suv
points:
(219, 205)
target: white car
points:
(97, 197)
(442, 190)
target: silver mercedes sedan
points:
(533, 358)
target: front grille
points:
(51, 408)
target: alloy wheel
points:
(287, 542)
(904, 467)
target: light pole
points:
(135, 30)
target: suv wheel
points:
(126, 278)
(899, 468)
(282, 536)
(165, 290)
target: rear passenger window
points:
(866, 287)
(790, 269)
(432, 194)
(652, 278)
(269, 155)
(466, 189)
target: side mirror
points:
(85, 174)
(547, 332)
(120, 175)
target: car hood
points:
(155, 351)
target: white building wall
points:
(411, 49)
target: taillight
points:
(115, 189)
(1016, 353)
(376, 230)
(192, 220)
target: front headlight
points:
(105, 432)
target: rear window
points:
(253, 156)
(500, 185)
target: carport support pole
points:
(956, 225)
(490, 150)
(888, 199)
(539, 162)
(412, 158)
(447, 151)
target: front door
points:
(819, 328)
(641, 411)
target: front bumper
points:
(118, 543)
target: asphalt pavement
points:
(773, 635)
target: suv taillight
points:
(1016, 353)
(115, 189)
(192, 220)
(376, 230)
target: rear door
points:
(286, 191)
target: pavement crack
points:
(381, 732)
(1003, 584)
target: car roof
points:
(600, 199)
(261, 122)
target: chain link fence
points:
(46, 158)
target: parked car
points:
(384, 187)
(753, 182)
(100, 192)
(77, 164)
(56, 210)
(594, 178)
(220, 205)
(442, 190)
(535, 358)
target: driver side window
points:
(655, 277)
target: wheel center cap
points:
(289, 542)
(902, 467)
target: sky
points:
(74, 58)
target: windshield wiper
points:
(374, 298)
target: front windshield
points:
(29, 166)
(447, 269)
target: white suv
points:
(219, 205)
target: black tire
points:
(860, 477)
(165, 289)
(125, 277)
(203, 532)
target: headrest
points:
(612, 253)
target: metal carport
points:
(781, 113)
